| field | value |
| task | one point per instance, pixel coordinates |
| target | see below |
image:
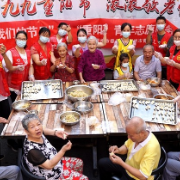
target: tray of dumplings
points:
(42, 89)
(154, 110)
(128, 85)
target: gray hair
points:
(137, 123)
(27, 119)
(148, 46)
(92, 38)
(61, 45)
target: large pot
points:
(87, 89)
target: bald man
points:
(147, 65)
(142, 150)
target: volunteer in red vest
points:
(78, 49)
(42, 55)
(173, 62)
(64, 35)
(22, 69)
(161, 40)
(124, 44)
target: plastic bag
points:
(97, 90)
(92, 121)
(116, 99)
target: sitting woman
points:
(92, 65)
(42, 158)
(124, 71)
(64, 67)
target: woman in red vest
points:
(22, 68)
(42, 55)
(173, 63)
(78, 49)
(64, 68)
(64, 35)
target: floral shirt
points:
(49, 152)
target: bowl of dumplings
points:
(154, 81)
(21, 105)
(163, 96)
(79, 93)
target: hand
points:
(31, 78)
(77, 46)
(157, 54)
(67, 146)
(163, 46)
(2, 49)
(61, 66)
(105, 28)
(95, 66)
(150, 30)
(115, 159)
(170, 62)
(3, 120)
(127, 75)
(131, 47)
(114, 149)
(61, 134)
(20, 67)
(176, 99)
(44, 62)
(82, 81)
(68, 29)
(115, 48)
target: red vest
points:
(164, 40)
(43, 72)
(16, 78)
(54, 42)
(172, 72)
(4, 89)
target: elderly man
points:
(143, 154)
(147, 65)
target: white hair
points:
(62, 45)
(92, 38)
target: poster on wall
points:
(31, 15)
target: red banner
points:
(93, 27)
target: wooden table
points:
(117, 116)
(112, 119)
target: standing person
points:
(124, 44)
(77, 50)
(147, 65)
(92, 65)
(64, 67)
(142, 150)
(161, 40)
(42, 55)
(64, 35)
(173, 63)
(124, 71)
(20, 69)
(42, 158)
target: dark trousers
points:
(4, 108)
(164, 72)
(13, 96)
(107, 169)
(176, 85)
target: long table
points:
(111, 119)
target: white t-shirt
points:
(2, 98)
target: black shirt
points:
(175, 52)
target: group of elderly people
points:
(49, 58)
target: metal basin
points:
(87, 89)
(83, 106)
(21, 105)
(163, 96)
(64, 115)
(154, 81)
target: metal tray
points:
(157, 114)
(42, 89)
(119, 84)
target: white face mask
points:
(125, 65)
(62, 32)
(177, 43)
(126, 34)
(160, 27)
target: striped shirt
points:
(147, 70)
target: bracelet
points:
(55, 132)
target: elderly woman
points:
(92, 65)
(42, 158)
(64, 67)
